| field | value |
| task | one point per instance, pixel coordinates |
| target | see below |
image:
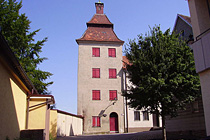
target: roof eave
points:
(120, 42)
(16, 65)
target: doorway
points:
(113, 122)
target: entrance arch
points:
(113, 121)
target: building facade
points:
(200, 19)
(137, 120)
(99, 76)
(183, 27)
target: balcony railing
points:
(201, 50)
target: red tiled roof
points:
(186, 18)
(99, 34)
(100, 29)
(125, 62)
(99, 19)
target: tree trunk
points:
(163, 128)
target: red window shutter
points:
(94, 121)
(112, 94)
(115, 94)
(93, 51)
(96, 95)
(98, 121)
(93, 95)
(96, 73)
(112, 73)
(112, 52)
(93, 73)
(96, 52)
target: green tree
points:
(15, 28)
(162, 72)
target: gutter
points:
(10, 57)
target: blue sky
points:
(63, 21)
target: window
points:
(96, 73)
(182, 33)
(96, 121)
(112, 73)
(96, 52)
(112, 52)
(113, 95)
(96, 95)
(145, 116)
(136, 115)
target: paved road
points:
(150, 135)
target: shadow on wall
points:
(53, 133)
(71, 131)
(9, 126)
(64, 133)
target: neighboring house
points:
(20, 100)
(200, 19)
(99, 76)
(183, 27)
(137, 120)
(191, 120)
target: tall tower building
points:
(100, 76)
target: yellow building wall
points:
(37, 114)
(13, 105)
(53, 123)
(20, 100)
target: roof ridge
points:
(185, 18)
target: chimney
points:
(99, 7)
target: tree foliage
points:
(15, 28)
(162, 72)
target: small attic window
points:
(99, 8)
(182, 33)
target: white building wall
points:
(136, 125)
(68, 125)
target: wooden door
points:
(114, 122)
